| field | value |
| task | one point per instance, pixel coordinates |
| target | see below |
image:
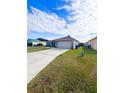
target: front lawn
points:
(36, 48)
(68, 73)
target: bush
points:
(40, 44)
(80, 44)
(76, 47)
(89, 46)
(29, 44)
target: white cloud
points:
(66, 7)
(74, 4)
(83, 13)
(44, 22)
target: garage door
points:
(64, 44)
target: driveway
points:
(36, 61)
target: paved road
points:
(36, 61)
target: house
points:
(32, 42)
(65, 43)
(43, 41)
(92, 43)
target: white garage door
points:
(64, 44)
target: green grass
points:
(68, 73)
(36, 48)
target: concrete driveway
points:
(36, 61)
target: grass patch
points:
(68, 73)
(36, 48)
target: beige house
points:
(67, 42)
(92, 43)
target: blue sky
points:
(48, 6)
(57, 18)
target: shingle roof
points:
(32, 40)
(91, 39)
(42, 39)
(65, 38)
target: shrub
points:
(80, 44)
(40, 44)
(29, 44)
(89, 46)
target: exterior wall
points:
(34, 43)
(75, 43)
(93, 43)
(41, 42)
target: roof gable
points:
(91, 39)
(32, 40)
(65, 38)
(42, 39)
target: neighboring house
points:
(92, 43)
(65, 43)
(43, 41)
(33, 42)
(37, 41)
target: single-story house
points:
(92, 43)
(38, 41)
(32, 42)
(65, 43)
